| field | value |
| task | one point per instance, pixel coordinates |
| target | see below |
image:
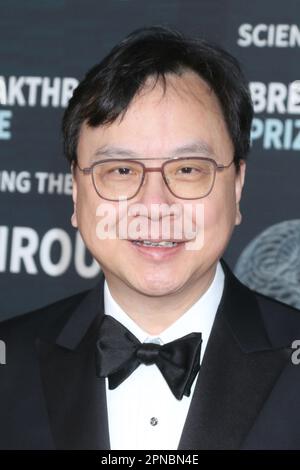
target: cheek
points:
(97, 222)
(86, 210)
(219, 216)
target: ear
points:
(74, 196)
(239, 183)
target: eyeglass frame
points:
(217, 167)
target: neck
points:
(156, 314)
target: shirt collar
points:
(198, 318)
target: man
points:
(169, 350)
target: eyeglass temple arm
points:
(223, 167)
(85, 171)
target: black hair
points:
(109, 87)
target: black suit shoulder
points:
(282, 321)
(50, 318)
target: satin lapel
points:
(75, 397)
(231, 389)
(237, 374)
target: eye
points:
(188, 170)
(123, 170)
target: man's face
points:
(187, 116)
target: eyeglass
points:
(185, 177)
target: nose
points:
(154, 189)
(162, 217)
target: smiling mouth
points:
(156, 244)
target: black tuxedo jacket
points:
(247, 394)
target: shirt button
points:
(153, 421)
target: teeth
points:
(165, 244)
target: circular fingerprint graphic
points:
(270, 264)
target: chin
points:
(157, 286)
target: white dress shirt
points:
(143, 413)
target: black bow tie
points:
(119, 353)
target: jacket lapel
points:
(75, 397)
(237, 374)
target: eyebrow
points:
(196, 147)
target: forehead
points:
(160, 119)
